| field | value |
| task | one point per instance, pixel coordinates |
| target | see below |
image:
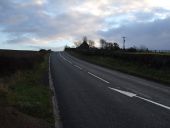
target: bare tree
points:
(91, 43)
(116, 46)
(103, 43)
(85, 39)
(109, 45)
(77, 43)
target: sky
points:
(53, 24)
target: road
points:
(90, 96)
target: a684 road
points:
(90, 96)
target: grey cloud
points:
(160, 10)
(144, 16)
(154, 35)
(32, 20)
(151, 15)
(24, 21)
(19, 40)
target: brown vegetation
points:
(24, 93)
(12, 61)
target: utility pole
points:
(124, 42)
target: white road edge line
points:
(78, 67)
(99, 78)
(129, 94)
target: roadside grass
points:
(28, 92)
(152, 53)
(161, 75)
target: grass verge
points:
(159, 75)
(28, 92)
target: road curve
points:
(90, 96)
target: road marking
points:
(129, 94)
(69, 61)
(99, 78)
(123, 92)
(78, 67)
(153, 102)
(65, 58)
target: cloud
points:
(47, 21)
(28, 19)
(154, 35)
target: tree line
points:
(86, 44)
(108, 49)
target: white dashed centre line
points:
(65, 58)
(129, 94)
(78, 67)
(69, 61)
(99, 78)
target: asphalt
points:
(90, 96)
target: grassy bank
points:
(26, 97)
(161, 75)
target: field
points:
(153, 66)
(12, 61)
(25, 97)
